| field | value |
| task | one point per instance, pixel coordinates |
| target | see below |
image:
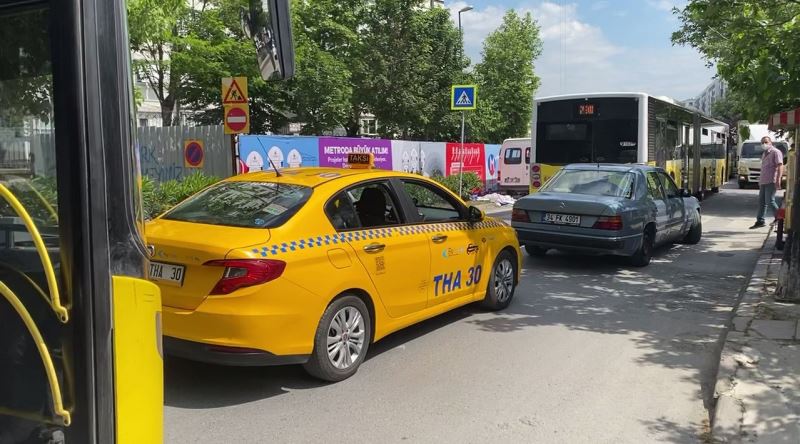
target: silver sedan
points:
(624, 210)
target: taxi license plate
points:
(561, 219)
(168, 273)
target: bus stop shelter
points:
(789, 285)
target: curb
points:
(728, 411)
(748, 406)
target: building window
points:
(142, 122)
(369, 126)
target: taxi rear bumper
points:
(260, 325)
(223, 355)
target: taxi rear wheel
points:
(502, 282)
(341, 341)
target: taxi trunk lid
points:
(192, 245)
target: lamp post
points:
(463, 113)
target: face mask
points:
(765, 146)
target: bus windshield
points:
(587, 130)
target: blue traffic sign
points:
(463, 97)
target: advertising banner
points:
(285, 151)
(473, 158)
(492, 154)
(426, 158)
(333, 151)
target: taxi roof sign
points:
(361, 160)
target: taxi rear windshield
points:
(242, 204)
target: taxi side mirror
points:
(474, 214)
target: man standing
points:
(770, 181)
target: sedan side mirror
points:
(474, 214)
(683, 192)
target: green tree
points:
(755, 45)
(393, 50)
(156, 28)
(442, 66)
(215, 47)
(730, 109)
(331, 70)
(507, 80)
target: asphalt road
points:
(590, 350)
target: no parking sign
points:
(193, 153)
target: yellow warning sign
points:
(234, 90)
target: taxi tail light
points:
(608, 223)
(519, 215)
(245, 273)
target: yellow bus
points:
(621, 128)
(80, 329)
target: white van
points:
(515, 166)
(749, 154)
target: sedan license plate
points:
(561, 219)
(169, 273)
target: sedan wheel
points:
(345, 338)
(502, 282)
(341, 341)
(644, 254)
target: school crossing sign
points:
(463, 97)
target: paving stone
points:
(774, 329)
(740, 323)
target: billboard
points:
(426, 158)
(472, 156)
(492, 154)
(284, 151)
(333, 151)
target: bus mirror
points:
(269, 24)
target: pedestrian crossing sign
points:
(463, 97)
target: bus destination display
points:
(587, 109)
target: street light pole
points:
(463, 113)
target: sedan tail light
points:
(608, 223)
(519, 215)
(242, 273)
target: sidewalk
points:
(758, 382)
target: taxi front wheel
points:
(341, 341)
(502, 282)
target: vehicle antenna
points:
(277, 173)
(266, 154)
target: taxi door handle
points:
(374, 247)
(439, 238)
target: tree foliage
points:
(755, 45)
(388, 58)
(507, 80)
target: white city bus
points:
(624, 128)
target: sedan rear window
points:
(242, 204)
(592, 182)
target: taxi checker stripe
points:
(349, 236)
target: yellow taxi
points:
(311, 265)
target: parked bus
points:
(713, 158)
(619, 128)
(515, 166)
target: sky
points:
(597, 45)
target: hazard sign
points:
(237, 119)
(463, 97)
(234, 90)
(193, 153)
